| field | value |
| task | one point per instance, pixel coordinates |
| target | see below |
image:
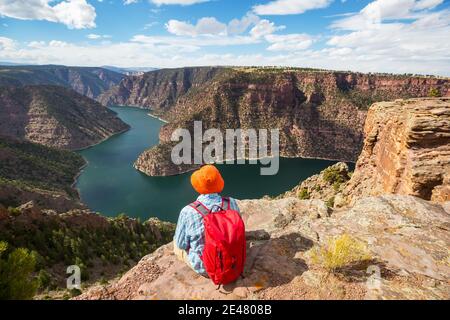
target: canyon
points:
(395, 203)
(320, 113)
(406, 237)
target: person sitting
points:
(189, 239)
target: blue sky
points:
(400, 36)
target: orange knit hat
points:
(207, 180)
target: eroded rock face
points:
(158, 90)
(406, 150)
(408, 239)
(319, 114)
(88, 81)
(55, 117)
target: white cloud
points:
(7, 44)
(382, 10)
(94, 36)
(289, 42)
(196, 43)
(75, 14)
(204, 26)
(210, 26)
(263, 28)
(404, 32)
(238, 26)
(128, 2)
(284, 7)
(172, 52)
(403, 36)
(150, 25)
(427, 4)
(179, 2)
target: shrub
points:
(340, 252)
(330, 202)
(74, 292)
(334, 176)
(304, 194)
(336, 186)
(14, 212)
(434, 92)
(16, 280)
(44, 279)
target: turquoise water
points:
(110, 185)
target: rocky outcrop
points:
(56, 117)
(319, 114)
(90, 82)
(326, 186)
(406, 151)
(158, 160)
(408, 239)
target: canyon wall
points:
(90, 82)
(158, 90)
(56, 117)
(320, 114)
(406, 151)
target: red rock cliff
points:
(406, 150)
(319, 114)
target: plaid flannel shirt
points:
(189, 235)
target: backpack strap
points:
(226, 204)
(200, 208)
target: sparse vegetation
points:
(330, 202)
(304, 194)
(340, 252)
(434, 93)
(335, 177)
(27, 165)
(15, 212)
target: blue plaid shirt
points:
(189, 235)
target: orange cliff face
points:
(406, 150)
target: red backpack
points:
(225, 246)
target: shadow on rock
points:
(271, 262)
(361, 271)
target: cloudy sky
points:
(399, 36)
